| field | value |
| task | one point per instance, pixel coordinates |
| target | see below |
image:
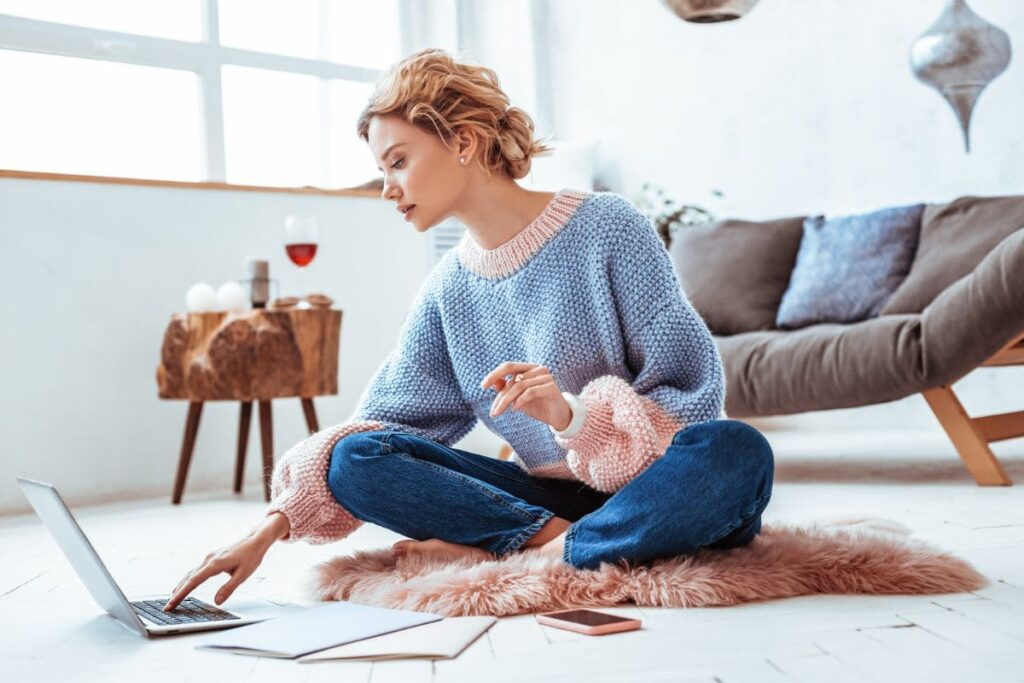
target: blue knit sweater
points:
(588, 291)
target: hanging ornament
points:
(710, 11)
(958, 56)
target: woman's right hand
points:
(239, 560)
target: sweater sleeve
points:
(413, 391)
(675, 372)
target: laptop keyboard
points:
(188, 611)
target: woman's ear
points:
(467, 143)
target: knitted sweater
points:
(586, 290)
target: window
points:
(98, 118)
(342, 31)
(349, 41)
(270, 127)
(253, 92)
(284, 27)
(175, 19)
(352, 162)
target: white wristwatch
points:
(579, 416)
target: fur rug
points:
(865, 556)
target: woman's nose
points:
(388, 192)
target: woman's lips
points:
(409, 212)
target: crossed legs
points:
(707, 490)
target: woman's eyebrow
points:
(384, 157)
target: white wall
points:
(89, 275)
(802, 106)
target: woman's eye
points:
(395, 165)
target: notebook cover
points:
(313, 629)
(443, 639)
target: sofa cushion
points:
(734, 271)
(955, 237)
(821, 367)
(977, 315)
(848, 266)
(824, 367)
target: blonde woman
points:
(560, 323)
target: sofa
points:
(960, 307)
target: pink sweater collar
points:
(511, 256)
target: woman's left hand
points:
(537, 394)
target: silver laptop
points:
(144, 615)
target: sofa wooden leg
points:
(967, 437)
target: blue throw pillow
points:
(848, 266)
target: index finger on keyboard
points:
(196, 579)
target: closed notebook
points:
(438, 640)
(313, 629)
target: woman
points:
(558, 321)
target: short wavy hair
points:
(431, 90)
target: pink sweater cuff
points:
(623, 434)
(299, 487)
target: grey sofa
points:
(960, 307)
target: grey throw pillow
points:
(847, 267)
(734, 271)
(955, 237)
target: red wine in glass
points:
(301, 253)
(301, 240)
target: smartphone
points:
(588, 622)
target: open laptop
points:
(144, 615)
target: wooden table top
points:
(256, 354)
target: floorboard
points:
(149, 545)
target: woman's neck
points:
(498, 210)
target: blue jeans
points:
(707, 490)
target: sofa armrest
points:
(976, 316)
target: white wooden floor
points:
(55, 632)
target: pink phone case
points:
(621, 623)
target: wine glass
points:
(301, 241)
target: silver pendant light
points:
(710, 11)
(958, 56)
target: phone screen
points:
(587, 617)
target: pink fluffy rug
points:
(854, 556)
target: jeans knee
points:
(736, 445)
(749, 446)
(750, 438)
(755, 453)
(349, 460)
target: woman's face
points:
(419, 170)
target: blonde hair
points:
(431, 90)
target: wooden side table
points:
(248, 356)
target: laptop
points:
(144, 615)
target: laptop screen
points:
(58, 520)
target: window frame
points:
(204, 58)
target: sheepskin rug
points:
(865, 556)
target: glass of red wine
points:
(301, 241)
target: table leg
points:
(267, 443)
(310, 412)
(195, 411)
(244, 418)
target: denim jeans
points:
(708, 489)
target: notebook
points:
(443, 639)
(313, 629)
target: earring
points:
(462, 160)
